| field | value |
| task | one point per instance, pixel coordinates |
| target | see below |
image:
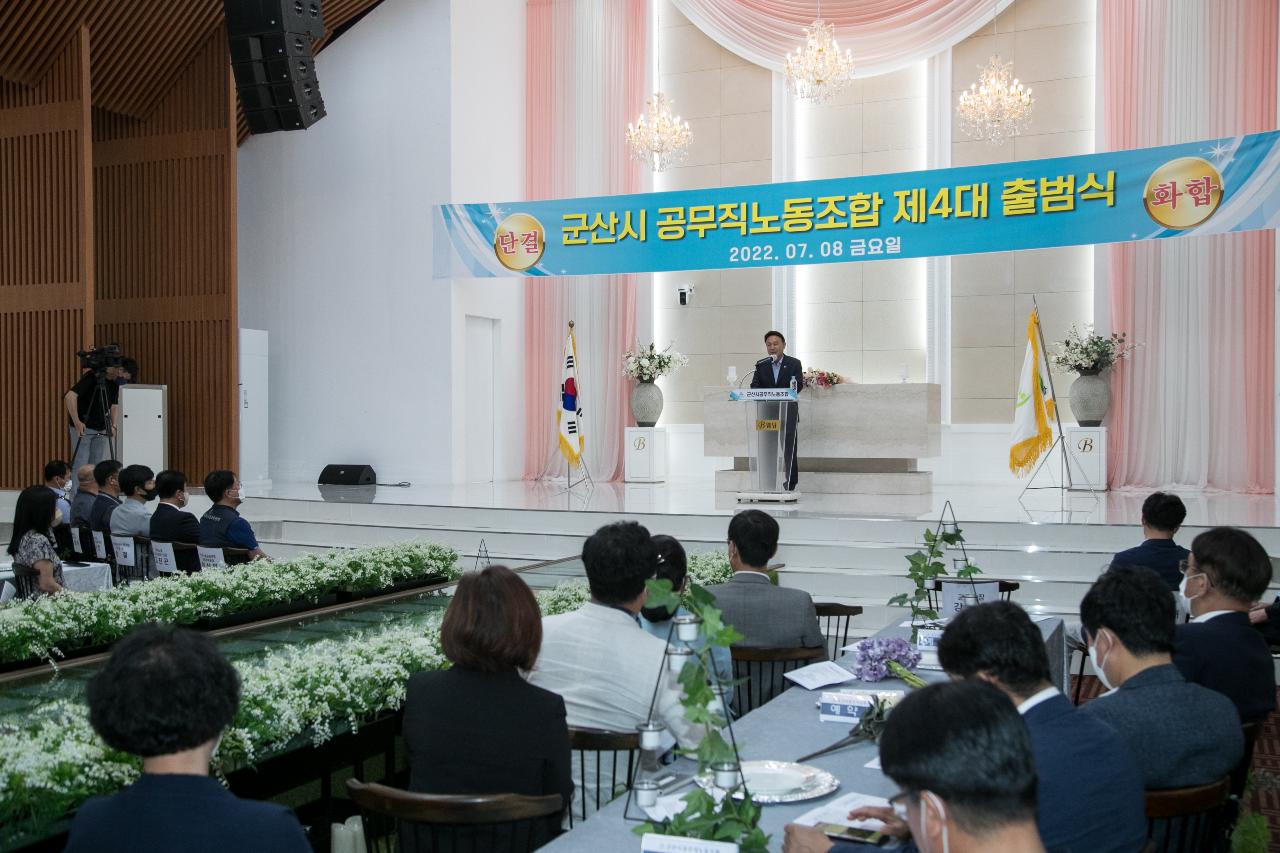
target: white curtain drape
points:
(883, 35)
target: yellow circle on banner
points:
(519, 242)
(1183, 192)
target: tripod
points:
(102, 400)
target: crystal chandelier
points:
(997, 106)
(817, 71)
(657, 137)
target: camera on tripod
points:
(100, 358)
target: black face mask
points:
(150, 494)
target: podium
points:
(769, 421)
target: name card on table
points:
(953, 591)
(849, 706)
(653, 843)
(928, 638)
(211, 558)
(162, 556)
(99, 545)
(123, 548)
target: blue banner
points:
(1210, 187)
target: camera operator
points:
(92, 400)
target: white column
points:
(938, 269)
(784, 169)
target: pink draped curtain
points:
(1194, 406)
(884, 35)
(585, 78)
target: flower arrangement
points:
(815, 378)
(43, 629)
(647, 363)
(1090, 353)
(709, 568)
(564, 597)
(52, 759)
(875, 660)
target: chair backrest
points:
(834, 620)
(211, 559)
(82, 539)
(122, 547)
(99, 545)
(162, 556)
(1006, 589)
(236, 556)
(62, 538)
(605, 763)
(26, 581)
(1188, 819)
(1240, 775)
(7, 592)
(456, 823)
(759, 672)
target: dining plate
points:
(779, 781)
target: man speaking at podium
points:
(780, 370)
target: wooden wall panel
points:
(46, 266)
(164, 207)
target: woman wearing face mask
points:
(189, 692)
(37, 571)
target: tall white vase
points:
(646, 403)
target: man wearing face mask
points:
(190, 693)
(222, 526)
(1227, 571)
(1181, 734)
(962, 758)
(137, 487)
(170, 524)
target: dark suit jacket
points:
(1227, 654)
(100, 513)
(1160, 555)
(767, 616)
(791, 368)
(170, 524)
(470, 732)
(1181, 734)
(194, 814)
(1090, 797)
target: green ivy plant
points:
(734, 821)
(927, 566)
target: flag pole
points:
(1044, 353)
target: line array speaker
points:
(273, 64)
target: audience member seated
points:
(86, 495)
(57, 476)
(221, 526)
(766, 616)
(479, 727)
(1181, 734)
(1162, 515)
(599, 659)
(1091, 791)
(966, 772)
(37, 571)
(166, 694)
(1227, 571)
(673, 566)
(137, 487)
(170, 524)
(107, 475)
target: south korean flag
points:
(569, 414)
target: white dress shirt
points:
(1035, 699)
(1212, 614)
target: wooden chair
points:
(1007, 589)
(26, 581)
(834, 621)
(141, 559)
(1187, 819)
(397, 820)
(82, 542)
(1240, 775)
(236, 556)
(1075, 647)
(598, 757)
(759, 672)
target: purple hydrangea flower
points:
(871, 658)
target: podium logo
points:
(519, 242)
(1183, 193)
(767, 426)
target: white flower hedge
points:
(46, 628)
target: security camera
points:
(685, 293)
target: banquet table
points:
(785, 729)
(83, 577)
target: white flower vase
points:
(1090, 398)
(646, 403)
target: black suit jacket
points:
(194, 814)
(1228, 655)
(470, 732)
(791, 368)
(100, 513)
(170, 524)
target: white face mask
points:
(1099, 664)
(942, 813)
(1182, 591)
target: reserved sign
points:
(653, 843)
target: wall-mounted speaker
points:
(273, 64)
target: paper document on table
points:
(837, 811)
(666, 807)
(929, 660)
(873, 764)
(820, 675)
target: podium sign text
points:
(763, 395)
(766, 426)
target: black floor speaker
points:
(347, 475)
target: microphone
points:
(765, 360)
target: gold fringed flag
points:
(1032, 413)
(569, 413)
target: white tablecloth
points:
(89, 577)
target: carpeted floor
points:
(1266, 762)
